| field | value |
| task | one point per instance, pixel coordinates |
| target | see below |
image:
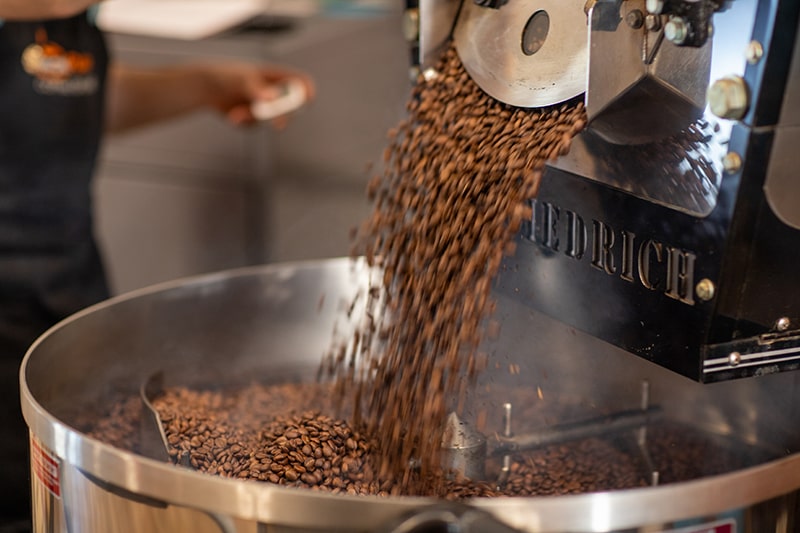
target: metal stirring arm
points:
(595, 427)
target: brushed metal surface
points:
(489, 42)
(268, 321)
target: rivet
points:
(754, 52)
(705, 289)
(732, 162)
(783, 323)
(734, 358)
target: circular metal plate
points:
(491, 43)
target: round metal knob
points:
(676, 30)
(729, 97)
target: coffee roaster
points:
(672, 229)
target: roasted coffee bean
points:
(459, 173)
(353, 465)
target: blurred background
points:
(197, 195)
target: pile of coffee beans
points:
(459, 173)
(283, 434)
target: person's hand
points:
(235, 87)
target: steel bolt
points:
(732, 162)
(754, 52)
(705, 289)
(676, 30)
(783, 323)
(728, 97)
(635, 19)
(652, 22)
(411, 24)
(734, 358)
(655, 6)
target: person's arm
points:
(139, 96)
(41, 9)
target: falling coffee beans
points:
(459, 173)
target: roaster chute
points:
(671, 227)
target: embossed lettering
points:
(628, 243)
(680, 275)
(531, 230)
(602, 242)
(645, 259)
(550, 225)
(576, 235)
(653, 264)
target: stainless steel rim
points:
(266, 503)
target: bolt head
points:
(634, 19)
(732, 162)
(654, 6)
(728, 97)
(652, 22)
(734, 358)
(676, 30)
(754, 52)
(783, 323)
(705, 289)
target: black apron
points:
(52, 82)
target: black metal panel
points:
(627, 270)
(772, 290)
(613, 280)
(775, 28)
(748, 183)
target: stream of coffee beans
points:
(458, 175)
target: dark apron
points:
(52, 81)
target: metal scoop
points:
(152, 439)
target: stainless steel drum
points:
(273, 321)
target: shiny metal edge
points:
(250, 500)
(754, 359)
